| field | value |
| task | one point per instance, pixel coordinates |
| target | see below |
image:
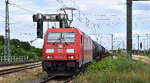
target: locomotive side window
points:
(57, 37)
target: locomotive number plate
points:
(60, 50)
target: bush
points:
(104, 65)
(124, 65)
(121, 64)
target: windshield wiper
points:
(64, 40)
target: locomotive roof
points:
(64, 30)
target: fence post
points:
(27, 57)
(1, 58)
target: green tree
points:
(15, 42)
(21, 48)
(1, 40)
(1, 50)
(25, 45)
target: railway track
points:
(17, 69)
(45, 80)
(2, 64)
(58, 79)
(54, 79)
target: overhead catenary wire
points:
(87, 22)
(82, 16)
(61, 3)
(22, 8)
(17, 23)
(21, 33)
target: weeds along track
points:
(17, 69)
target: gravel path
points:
(141, 58)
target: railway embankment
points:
(117, 70)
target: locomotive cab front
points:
(61, 50)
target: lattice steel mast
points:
(7, 32)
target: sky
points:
(100, 17)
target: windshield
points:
(57, 37)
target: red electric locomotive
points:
(65, 51)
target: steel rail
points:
(68, 80)
(47, 79)
(17, 69)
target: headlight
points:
(49, 57)
(49, 50)
(70, 57)
(70, 50)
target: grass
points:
(118, 70)
(142, 54)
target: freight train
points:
(67, 50)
